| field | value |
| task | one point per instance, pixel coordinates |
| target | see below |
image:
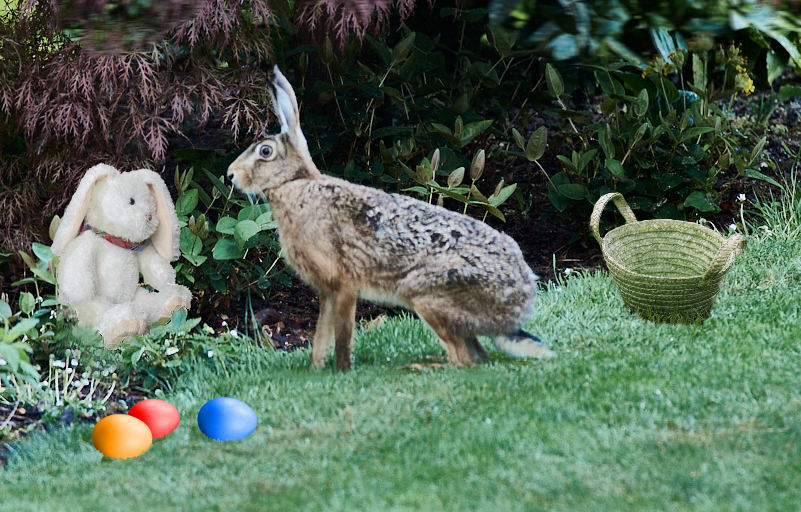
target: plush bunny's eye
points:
(132, 201)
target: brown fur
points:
(460, 276)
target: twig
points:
(8, 420)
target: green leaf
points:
(700, 201)
(189, 243)
(615, 167)
(753, 173)
(537, 144)
(227, 249)
(419, 190)
(27, 302)
(554, 81)
(45, 275)
(456, 177)
(186, 202)
(493, 210)
(519, 140)
(43, 252)
(608, 84)
(226, 225)
(560, 178)
(586, 158)
(19, 329)
(693, 133)
(503, 195)
(641, 106)
(244, 230)
(757, 150)
(402, 49)
(266, 222)
(573, 191)
(565, 160)
(5, 310)
(472, 130)
(605, 141)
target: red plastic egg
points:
(160, 416)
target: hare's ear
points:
(286, 108)
(166, 239)
(76, 210)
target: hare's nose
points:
(149, 218)
(230, 175)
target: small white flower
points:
(104, 373)
(59, 403)
(172, 350)
(39, 299)
(85, 375)
(24, 337)
(741, 197)
(68, 371)
(767, 230)
(210, 353)
(568, 271)
(732, 227)
(74, 362)
(234, 333)
(488, 421)
(59, 364)
(45, 383)
(224, 323)
(763, 164)
(3, 362)
(52, 314)
(77, 384)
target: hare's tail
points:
(522, 344)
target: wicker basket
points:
(666, 270)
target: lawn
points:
(629, 415)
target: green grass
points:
(629, 416)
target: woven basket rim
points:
(687, 225)
(639, 225)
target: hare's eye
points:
(132, 201)
(266, 151)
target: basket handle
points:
(622, 206)
(732, 248)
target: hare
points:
(461, 277)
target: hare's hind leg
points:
(461, 351)
(337, 315)
(475, 348)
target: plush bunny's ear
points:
(73, 216)
(286, 108)
(166, 239)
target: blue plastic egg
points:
(226, 419)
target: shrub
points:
(670, 150)
(63, 109)
(396, 98)
(628, 29)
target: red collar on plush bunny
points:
(115, 240)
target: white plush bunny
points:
(117, 226)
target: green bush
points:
(228, 246)
(669, 150)
(629, 29)
(380, 107)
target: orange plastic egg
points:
(121, 436)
